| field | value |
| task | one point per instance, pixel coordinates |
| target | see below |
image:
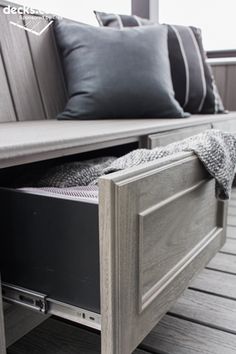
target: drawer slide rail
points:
(43, 304)
(20, 296)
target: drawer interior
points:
(50, 245)
(50, 242)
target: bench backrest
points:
(31, 78)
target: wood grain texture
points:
(2, 329)
(223, 262)
(231, 220)
(210, 310)
(230, 99)
(40, 140)
(231, 231)
(232, 209)
(176, 336)
(123, 196)
(229, 126)
(22, 79)
(7, 112)
(220, 72)
(213, 282)
(166, 138)
(165, 251)
(19, 321)
(54, 337)
(48, 70)
(229, 247)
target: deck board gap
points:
(208, 325)
(221, 271)
(212, 293)
(228, 253)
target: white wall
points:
(80, 10)
(216, 18)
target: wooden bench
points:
(159, 224)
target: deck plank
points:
(229, 247)
(210, 310)
(231, 232)
(56, 337)
(223, 262)
(177, 336)
(231, 220)
(218, 283)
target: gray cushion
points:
(116, 74)
(193, 80)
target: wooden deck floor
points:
(203, 321)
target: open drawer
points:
(154, 228)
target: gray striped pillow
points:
(193, 81)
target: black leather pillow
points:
(116, 74)
(192, 77)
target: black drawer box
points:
(50, 245)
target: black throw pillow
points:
(193, 81)
(116, 74)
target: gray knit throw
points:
(72, 174)
(216, 149)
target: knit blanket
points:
(216, 150)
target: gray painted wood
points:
(231, 231)
(7, 113)
(231, 87)
(39, 140)
(210, 310)
(19, 69)
(232, 209)
(166, 138)
(231, 220)
(140, 8)
(19, 321)
(217, 283)
(230, 246)
(54, 337)
(233, 199)
(130, 309)
(223, 262)
(175, 242)
(229, 126)
(176, 336)
(154, 10)
(2, 329)
(225, 76)
(48, 70)
(220, 72)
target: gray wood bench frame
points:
(136, 289)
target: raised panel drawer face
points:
(190, 219)
(162, 139)
(159, 225)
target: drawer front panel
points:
(166, 138)
(189, 219)
(159, 225)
